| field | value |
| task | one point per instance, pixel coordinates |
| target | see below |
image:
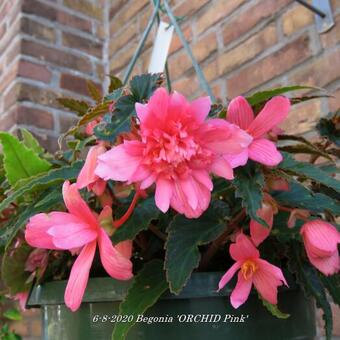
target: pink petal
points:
(220, 167)
(147, 182)
(72, 235)
(163, 194)
(158, 106)
(243, 249)
(79, 276)
(228, 275)
(76, 205)
(238, 159)
(36, 232)
(117, 164)
(264, 151)
(200, 108)
(189, 189)
(258, 231)
(116, 265)
(98, 187)
(240, 112)
(87, 175)
(241, 292)
(274, 112)
(328, 265)
(203, 177)
(142, 112)
(125, 248)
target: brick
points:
(8, 77)
(334, 102)
(211, 70)
(65, 121)
(123, 37)
(7, 120)
(216, 12)
(302, 117)
(245, 21)
(318, 72)
(126, 13)
(32, 116)
(74, 22)
(296, 18)
(4, 9)
(186, 85)
(38, 30)
(205, 47)
(176, 44)
(246, 51)
(83, 44)
(269, 67)
(92, 10)
(34, 71)
(12, 52)
(40, 9)
(56, 56)
(122, 58)
(115, 7)
(179, 64)
(19, 327)
(187, 8)
(2, 30)
(74, 83)
(331, 37)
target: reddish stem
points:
(128, 213)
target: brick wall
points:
(49, 48)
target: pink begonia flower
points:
(80, 227)
(259, 232)
(321, 243)
(21, 298)
(253, 270)
(37, 259)
(87, 177)
(261, 150)
(177, 149)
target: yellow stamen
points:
(248, 269)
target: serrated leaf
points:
(262, 96)
(12, 314)
(115, 83)
(144, 213)
(300, 197)
(31, 142)
(329, 127)
(308, 277)
(13, 271)
(53, 177)
(248, 182)
(19, 161)
(332, 283)
(306, 149)
(274, 309)
(148, 285)
(94, 92)
(78, 106)
(184, 237)
(308, 170)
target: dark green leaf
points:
(306, 149)
(19, 161)
(12, 314)
(13, 271)
(184, 237)
(332, 283)
(249, 181)
(144, 213)
(115, 83)
(74, 105)
(148, 285)
(274, 309)
(308, 170)
(329, 127)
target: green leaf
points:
(115, 83)
(332, 283)
(19, 161)
(78, 106)
(274, 309)
(144, 213)
(94, 91)
(309, 279)
(308, 170)
(12, 314)
(261, 97)
(13, 271)
(49, 179)
(31, 142)
(329, 127)
(184, 237)
(305, 149)
(249, 181)
(148, 285)
(300, 197)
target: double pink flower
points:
(79, 230)
(177, 149)
(261, 149)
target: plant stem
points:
(157, 232)
(128, 213)
(213, 248)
